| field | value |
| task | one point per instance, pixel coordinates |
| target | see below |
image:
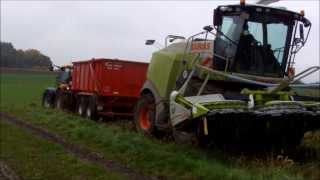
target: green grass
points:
(21, 96)
(33, 158)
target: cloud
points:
(76, 30)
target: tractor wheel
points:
(47, 100)
(59, 104)
(144, 116)
(81, 106)
(91, 110)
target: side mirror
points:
(217, 18)
(208, 28)
(150, 42)
(301, 30)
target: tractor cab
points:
(257, 40)
(64, 77)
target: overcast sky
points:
(67, 31)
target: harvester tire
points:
(91, 110)
(186, 138)
(144, 116)
(191, 136)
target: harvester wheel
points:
(91, 111)
(192, 135)
(183, 137)
(145, 115)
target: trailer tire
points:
(144, 116)
(91, 110)
(81, 106)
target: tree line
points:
(30, 58)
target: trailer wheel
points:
(81, 106)
(91, 110)
(145, 115)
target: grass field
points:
(35, 158)
(21, 96)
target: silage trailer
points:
(98, 87)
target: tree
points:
(8, 55)
(31, 58)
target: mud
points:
(6, 173)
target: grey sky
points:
(77, 30)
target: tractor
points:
(232, 83)
(59, 96)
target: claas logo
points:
(202, 47)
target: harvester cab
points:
(254, 40)
(258, 40)
(252, 44)
(233, 81)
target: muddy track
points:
(78, 151)
(6, 173)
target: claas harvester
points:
(234, 82)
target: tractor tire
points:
(144, 116)
(47, 101)
(59, 103)
(81, 106)
(91, 110)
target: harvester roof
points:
(280, 11)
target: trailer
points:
(98, 87)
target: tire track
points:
(78, 151)
(6, 173)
